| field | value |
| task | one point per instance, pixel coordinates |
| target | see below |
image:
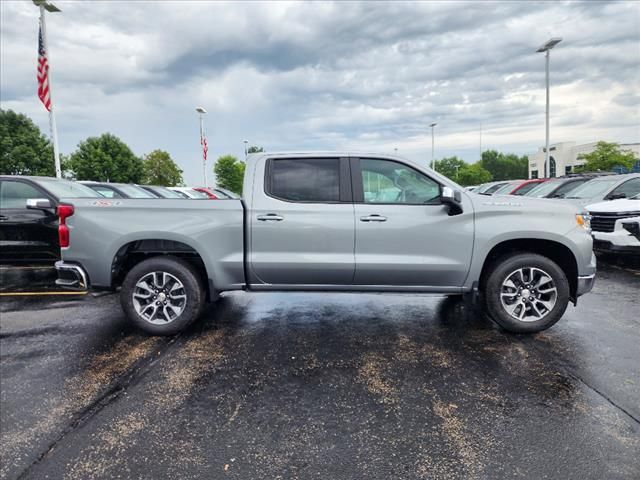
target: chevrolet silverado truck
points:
(330, 222)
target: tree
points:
(106, 158)
(229, 173)
(605, 157)
(505, 166)
(160, 169)
(473, 175)
(23, 148)
(449, 167)
(255, 149)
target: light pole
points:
(203, 141)
(546, 48)
(246, 151)
(49, 7)
(433, 158)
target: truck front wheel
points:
(162, 295)
(526, 293)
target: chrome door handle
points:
(373, 218)
(270, 217)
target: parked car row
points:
(29, 216)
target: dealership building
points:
(563, 157)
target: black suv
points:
(28, 218)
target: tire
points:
(162, 295)
(508, 301)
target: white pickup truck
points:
(331, 221)
(616, 225)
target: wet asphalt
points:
(323, 385)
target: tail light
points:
(64, 212)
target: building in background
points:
(563, 157)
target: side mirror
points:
(617, 196)
(452, 198)
(39, 204)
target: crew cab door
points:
(302, 224)
(26, 234)
(404, 234)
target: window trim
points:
(345, 193)
(358, 187)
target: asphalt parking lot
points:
(322, 385)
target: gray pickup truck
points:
(331, 222)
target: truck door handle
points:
(270, 217)
(373, 218)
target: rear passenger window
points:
(305, 179)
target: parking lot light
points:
(546, 48)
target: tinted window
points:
(629, 189)
(568, 187)
(305, 180)
(384, 181)
(15, 194)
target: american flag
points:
(205, 147)
(43, 73)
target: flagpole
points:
(52, 115)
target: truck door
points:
(26, 235)
(302, 223)
(404, 234)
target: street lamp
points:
(433, 158)
(203, 142)
(49, 7)
(246, 151)
(546, 48)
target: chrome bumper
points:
(71, 276)
(585, 284)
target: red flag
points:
(43, 73)
(205, 147)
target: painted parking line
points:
(31, 267)
(33, 294)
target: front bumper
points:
(71, 276)
(585, 284)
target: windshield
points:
(542, 190)
(506, 189)
(166, 193)
(134, 192)
(492, 189)
(68, 189)
(594, 188)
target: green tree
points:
(449, 167)
(229, 173)
(605, 157)
(255, 149)
(160, 169)
(106, 158)
(473, 175)
(23, 148)
(505, 166)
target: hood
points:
(521, 203)
(623, 205)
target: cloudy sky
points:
(347, 75)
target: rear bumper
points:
(585, 284)
(71, 276)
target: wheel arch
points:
(554, 250)
(135, 251)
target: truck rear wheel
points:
(162, 295)
(526, 293)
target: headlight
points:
(584, 220)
